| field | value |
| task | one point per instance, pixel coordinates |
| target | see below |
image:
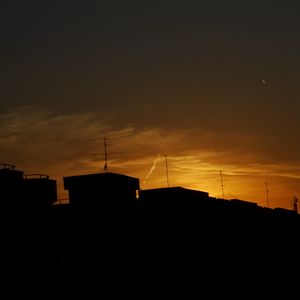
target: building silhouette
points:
(25, 193)
(103, 213)
(111, 226)
(40, 192)
(102, 190)
(26, 204)
(11, 186)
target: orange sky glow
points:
(212, 84)
(38, 141)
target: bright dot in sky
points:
(263, 82)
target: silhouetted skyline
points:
(212, 84)
(111, 226)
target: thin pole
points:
(167, 172)
(105, 155)
(267, 194)
(222, 185)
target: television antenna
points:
(267, 193)
(222, 184)
(105, 154)
(167, 170)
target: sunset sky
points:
(212, 84)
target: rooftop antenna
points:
(267, 194)
(106, 154)
(222, 185)
(167, 171)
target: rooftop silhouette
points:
(110, 224)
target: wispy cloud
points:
(40, 141)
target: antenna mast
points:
(222, 185)
(167, 171)
(267, 194)
(106, 153)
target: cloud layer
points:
(40, 141)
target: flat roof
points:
(100, 178)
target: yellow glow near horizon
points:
(245, 183)
(38, 141)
